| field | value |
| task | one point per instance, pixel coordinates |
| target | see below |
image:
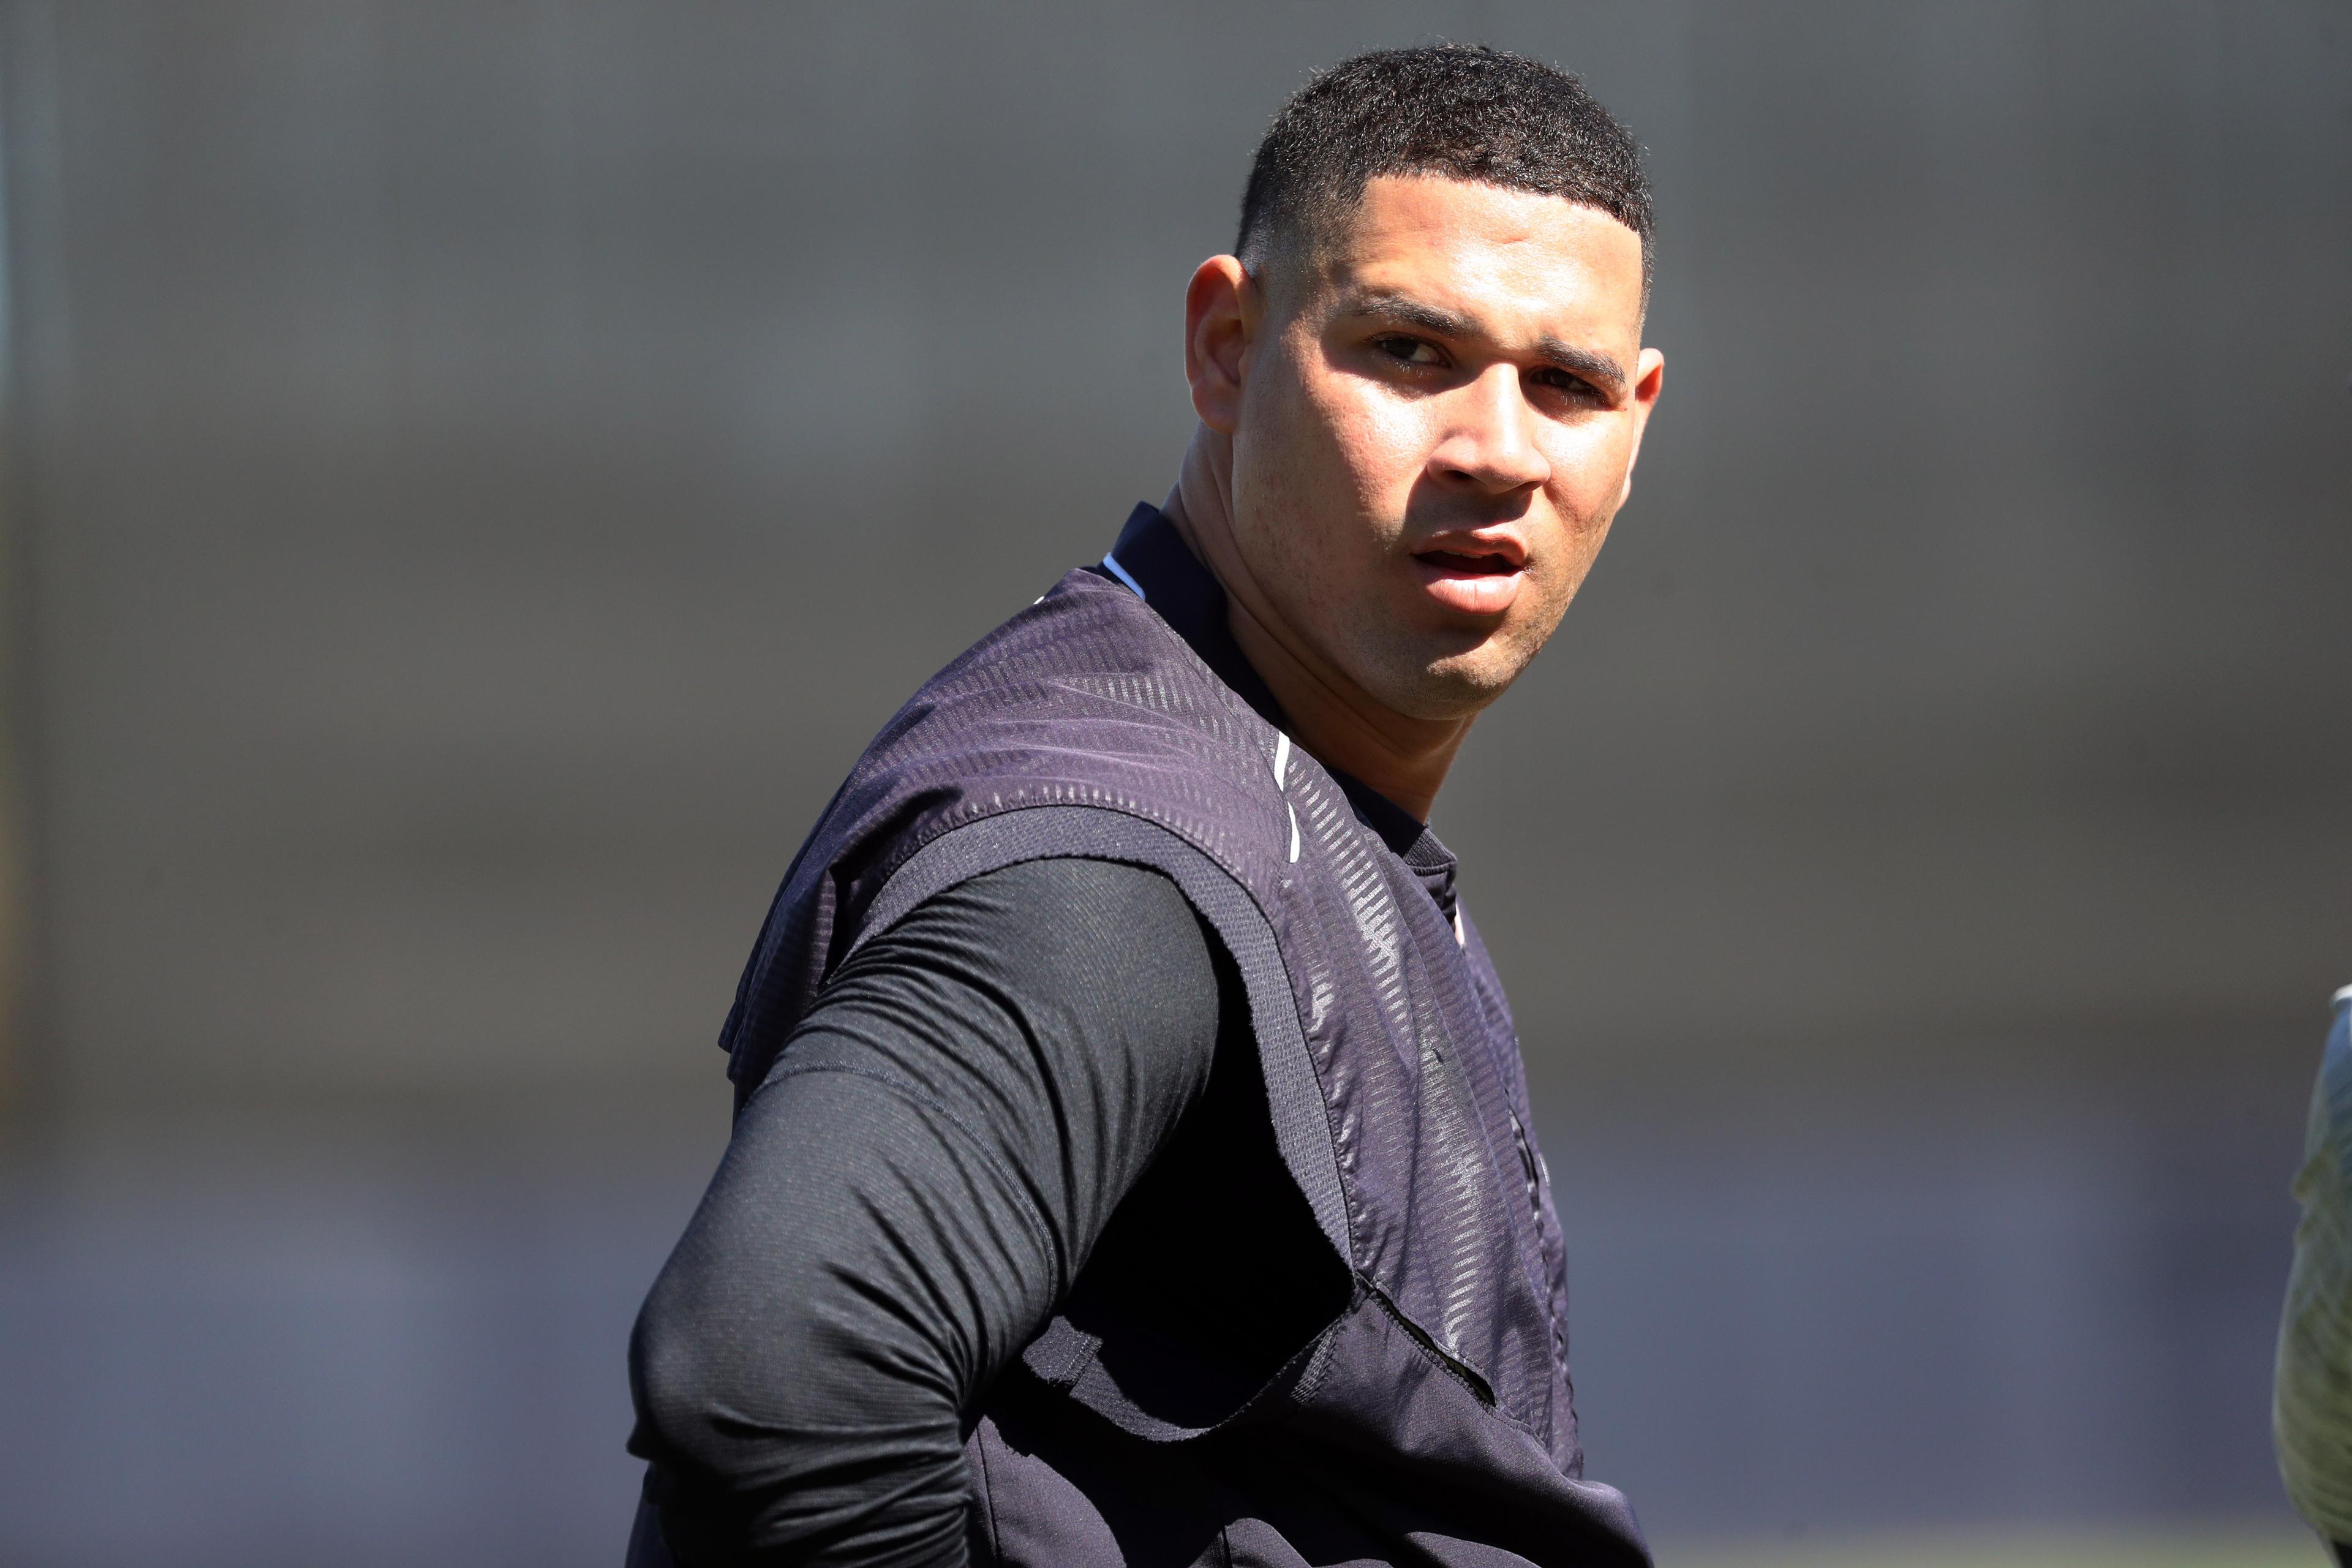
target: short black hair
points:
(1464, 111)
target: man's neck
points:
(1337, 723)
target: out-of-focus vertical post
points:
(27, 171)
(13, 1010)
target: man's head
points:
(1456, 113)
(1422, 378)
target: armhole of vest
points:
(983, 1532)
(1302, 1124)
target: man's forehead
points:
(1517, 260)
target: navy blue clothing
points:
(1395, 1388)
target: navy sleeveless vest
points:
(1430, 1420)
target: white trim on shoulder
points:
(1110, 564)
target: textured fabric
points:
(2312, 1404)
(1429, 1419)
(938, 1149)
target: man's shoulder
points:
(1085, 686)
(1084, 628)
(1084, 726)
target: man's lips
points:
(1466, 566)
(1471, 577)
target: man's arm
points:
(903, 1204)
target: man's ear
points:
(1649, 380)
(1222, 313)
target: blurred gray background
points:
(476, 474)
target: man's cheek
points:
(1592, 460)
(1387, 446)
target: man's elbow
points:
(768, 1443)
(684, 1376)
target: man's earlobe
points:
(1221, 317)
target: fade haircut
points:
(1459, 110)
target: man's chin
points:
(1452, 686)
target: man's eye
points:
(1574, 386)
(1407, 351)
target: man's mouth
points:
(1456, 563)
(1472, 581)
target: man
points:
(2311, 1402)
(1131, 1161)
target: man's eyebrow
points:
(1408, 312)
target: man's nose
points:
(1490, 436)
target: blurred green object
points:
(2201, 1547)
(2311, 1408)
